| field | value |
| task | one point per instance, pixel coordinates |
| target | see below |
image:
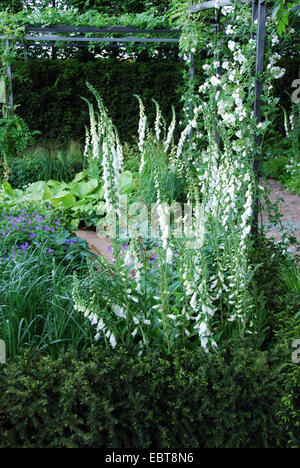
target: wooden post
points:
(25, 52)
(259, 11)
(9, 75)
(192, 67)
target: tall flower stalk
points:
(141, 131)
(105, 148)
(199, 289)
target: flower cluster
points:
(104, 136)
(171, 130)
(21, 231)
(293, 167)
(142, 131)
(200, 287)
(158, 120)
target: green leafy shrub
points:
(45, 162)
(287, 334)
(293, 184)
(274, 167)
(282, 158)
(77, 201)
(15, 136)
(116, 399)
(290, 410)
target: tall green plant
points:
(15, 137)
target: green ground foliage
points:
(119, 400)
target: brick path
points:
(289, 209)
(97, 245)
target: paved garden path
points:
(97, 245)
(289, 208)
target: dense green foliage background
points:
(119, 400)
(48, 93)
(106, 6)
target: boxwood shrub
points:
(114, 399)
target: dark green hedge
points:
(114, 399)
(48, 93)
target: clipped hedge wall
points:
(113, 399)
(48, 93)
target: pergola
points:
(77, 36)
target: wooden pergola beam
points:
(82, 45)
(29, 37)
(93, 29)
(53, 38)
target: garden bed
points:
(142, 303)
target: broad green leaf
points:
(66, 202)
(39, 190)
(59, 192)
(19, 193)
(54, 183)
(275, 11)
(126, 183)
(81, 189)
(9, 190)
(79, 177)
(75, 223)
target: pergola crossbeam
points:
(84, 45)
(95, 30)
(53, 38)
